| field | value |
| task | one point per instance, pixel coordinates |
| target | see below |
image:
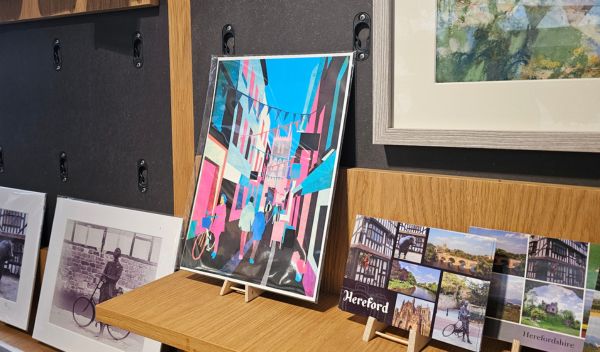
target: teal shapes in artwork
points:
(236, 160)
(296, 169)
(192, 230)
(321, 177)
(334, 106)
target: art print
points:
(496, 40)
(415, 277)
(21, 217)
(263, 198)
(97, 253)
(544, 298)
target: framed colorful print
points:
(516, 74)
(416, 277)
(21, 217)
(263, 199)
(98, 252)
(544, 292)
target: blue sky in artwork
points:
(471, 244)
(400, 298)
(422, 274)
(289, 80)
(509, 241)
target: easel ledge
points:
(249, 292)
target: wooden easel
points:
(415, 342)
(516, 346)
(249, 292)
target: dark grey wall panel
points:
(99, 109)
(308, 26)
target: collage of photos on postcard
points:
(414, 277)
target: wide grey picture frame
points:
(384, 131)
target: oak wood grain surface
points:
(185, 310)
(182, 104)
(29, 10)
(21, 340)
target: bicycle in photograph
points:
(84, 314)
(454, 328)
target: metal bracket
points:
(56, 54)
(138, 50)
(142, 175)
(228, 39)
(62, 167)
(362, 36)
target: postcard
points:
(415, 277)
(542, 291)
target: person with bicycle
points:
(110, 276)
(464, 315)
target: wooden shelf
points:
(30, 10)
(21, 340)
(184, 310)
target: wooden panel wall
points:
(28, 10)
(455, 203)
(182, 104)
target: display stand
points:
(414, 343)
(249, 292)
(516, 346)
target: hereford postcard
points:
(415, 277)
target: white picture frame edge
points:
(153, 224)
(17, 313)
(385, 133)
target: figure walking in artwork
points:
(110, 276)
(218, 222)
(245, 224)
(258, 228)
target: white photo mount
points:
(167, 228)
(17, 312)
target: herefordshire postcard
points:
(543, 292)
(416, 277)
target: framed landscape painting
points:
(21, 217)
(264, 195)
(508, 74)
(415, 277)
(98, 252)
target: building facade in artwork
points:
(371, 250)
(558, 261)
(412, 316)
(12, 229)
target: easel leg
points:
(516, 346)
(251, 293)
(226, 288)
(416, 341)
(373, 325)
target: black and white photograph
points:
(97, 253)
(98, 263)
(12, 239)
(21, 216)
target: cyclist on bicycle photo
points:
(110, 276)
(464, 315)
